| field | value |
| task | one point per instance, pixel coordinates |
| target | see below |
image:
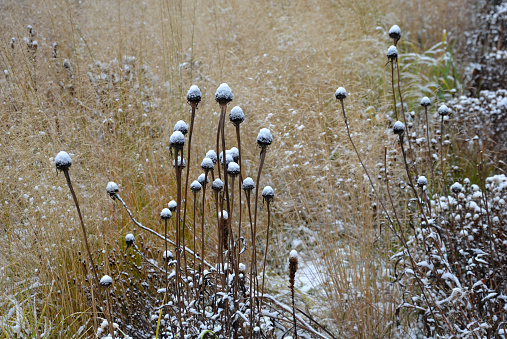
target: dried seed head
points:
(63, 161)
(167, 256)
(456, 188)
(399, 128)
(340, 93)
(182, 127)
(268, 194)
(264, 138)
(422, 181)
(67, 65)
(172, 205)
(248, 184)
(195, 186)
(234, 152)
(180, 163)
(233, 169)
(392, 53)
(201, 179)
(177, 140)
(425, 102)
(443, 110)
(130, 239)
(228, 157)
(194, 95)
(395, 32)
(217, 185)
(293, 266)
(212, 155)
(112, 188)
(106, 281)
(166, 214)
(223, 94)
(236, 116)
(207, 164)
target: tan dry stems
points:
(302, 51)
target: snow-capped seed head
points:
(217, 185)
(207, 164)
(67, 65)
(166, 214)
(63, 161)
(392, 53)
(181, 126)
(172, 205)
(425, 102)
(106, 281)
(264, 138)
(248, 184)
(223, 95)
(112, 188)
(456, 188)
(223, 215)
(212, 155)
(234, 152)
(340, 93)
(395, 32)
(194, 95)
(228, 158)
(177, 140)
(236, 116)
(443, 110)
(233, 169)
(399, 128)
(130, 239)
(201, 179)
(422, 181)
(466, 181)
(195, 186)
(293, 255)
(180, 163)
(268, 193)
(167, 256)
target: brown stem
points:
(178, 236)
(266, 251)
(110, 315)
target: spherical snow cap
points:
(422, 181)
(112, 188)
(425, 102)
(268, 193)
(228, 157)
(224, 94)
(201, 179)
(293, 256)
(217, 185)
(248, 184)
(130, 239)
(195, 186)
(264, 138)
(63, 161)
(234, 152)
(167, 255)
(177, 140)
(233, 168)
(236, 116)
(182, 127)
(444, 110)
(398, 127)
(392, 52)
(212, 155)
(242, 267)
(106, 281)
(456, 188)
(194, 94)
(395, 32)
(340, 93)
(166, 214)
(172, 205)
(207, 164)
